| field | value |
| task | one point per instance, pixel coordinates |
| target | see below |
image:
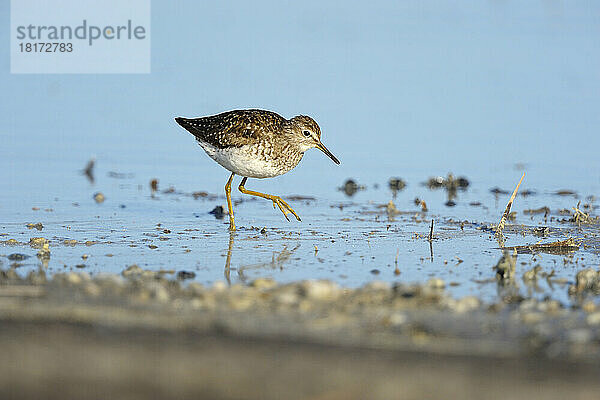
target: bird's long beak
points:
(322, 147)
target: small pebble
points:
(320, 290)
(92, 290)
(132, 270)
(397, 319)
(396, 184)
(218, 212)
(466, 304)
(288, 296)
(594, 318)
(73, 278)
(158, 291)
(219, 286)
(183, 275)
(436, 283)
(37, 226)
(350, 187)
(263, 283)
(99, 197)
(38, 242)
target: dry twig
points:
(558, 247)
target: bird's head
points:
(306, 134)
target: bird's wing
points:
(233, 128)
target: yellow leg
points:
(277, 201)
(229, 205)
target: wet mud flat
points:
(140, 334)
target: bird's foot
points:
(284, 207)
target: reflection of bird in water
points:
(256, 144)
(278, 259)
(228, 259)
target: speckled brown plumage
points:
(235, 128)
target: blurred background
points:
(407, 88)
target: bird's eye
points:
(306, 133)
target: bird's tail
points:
(181, 121)
(189, 125)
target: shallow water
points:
(349, 239)
(413, 91)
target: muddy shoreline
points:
(140, 333)
(74, 360)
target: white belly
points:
(242, 161)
